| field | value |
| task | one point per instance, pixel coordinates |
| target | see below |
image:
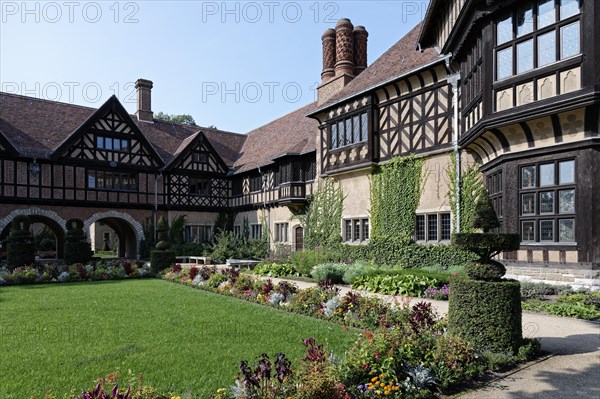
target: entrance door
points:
(299, 238)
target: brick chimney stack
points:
(328, 40)
(144, 112)
(344, 48)
(344, 57)
(360, 49)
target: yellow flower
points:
(373, 379)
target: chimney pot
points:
(144, 100)
(344, 48)
(360, 49)
(328, 40)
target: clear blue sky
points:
(236, 65)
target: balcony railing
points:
(292, 192)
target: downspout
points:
(454, 80)
(155, 211)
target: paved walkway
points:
(572, 369)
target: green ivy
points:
(471, 188)
(395, 194)
(321, 222)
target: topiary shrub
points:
(483, 308)
(77, 250)
(488, 313)
(20, 250)
(162, 258)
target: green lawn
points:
(55, 337)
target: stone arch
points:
(37, 215)
(120, 222)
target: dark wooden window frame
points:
(363, 131)
(537, 216)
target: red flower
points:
(376, 355)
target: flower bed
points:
(91, 271)
(404, 352)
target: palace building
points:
(511, 87)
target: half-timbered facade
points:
(510, 86)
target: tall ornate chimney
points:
(344, 48)
(144, 112)
(344, 57)
(328, 40)
(360, 49)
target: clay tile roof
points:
(401, 58)
(169, 139)
(36, 127)
(293, 133)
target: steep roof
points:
(36, 127)
(293, 133)
(403, 57)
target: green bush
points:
(305, 261)
(540, 290)
(330, 271)
(487, 313)
(357, 269)
(581, 306)
(20, 250)
(404, 254)
(486, 245)
(161, 260)
(273, 269)
(407, 285)
(77, 252)
(20, 254)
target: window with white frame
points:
(237, 230)
(198, 233)
(537, 34)
(281, 232)
(547, 201)
(433, 227)
(356, 230)
(256, 231)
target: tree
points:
(183, 119)
(212, 127)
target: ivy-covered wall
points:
(471, 183)
(395, 194)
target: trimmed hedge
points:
(395, 252)
(161, 260)
(20, 254)
(486, 313)
(486, 245)
(21, 246)
(77, 252)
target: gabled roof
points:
(111, 105)
(37, 127)
(6, 146)
(188, 144)
(402, 58)
(293, 133)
